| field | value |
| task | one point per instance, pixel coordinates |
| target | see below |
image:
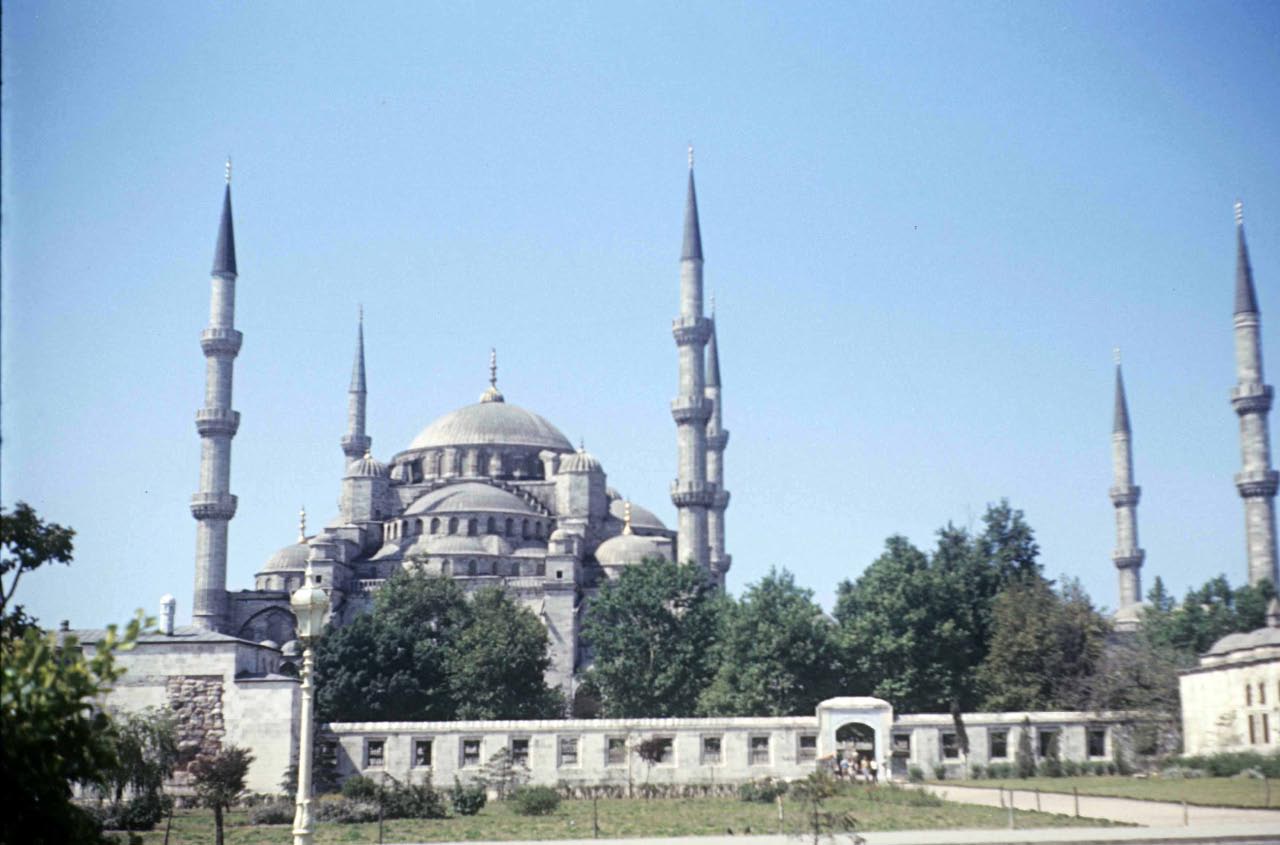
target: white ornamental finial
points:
(691, 156)
(228, 170)
(493, 367)
(1116, 353)
(302, 524)
(1239, 213)
(626, 517)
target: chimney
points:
(167, 606)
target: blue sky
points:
(926, 226)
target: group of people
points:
(860, 768)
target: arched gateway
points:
(855, 725)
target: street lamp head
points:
(310, 605)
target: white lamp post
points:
(310, 606)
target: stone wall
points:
(196, 704)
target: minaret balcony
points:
(1122, 496)
(1251, 397)
(720, 500)
(1128, 558)
(691, 330)
(213, 506)
(1258, 482)
(687, 409)
(695, 493)
(215, 421)
(716, 442)
(220, 341)
(355, 445)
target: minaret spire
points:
(1125, 494)
(717, 439)
(1251, 398)
(691, 492)
(355, 443)
(213, 506)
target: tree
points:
(1025, 757)
(776, 654)
(146, 750)
(1045, 645)
(425, 652)
(653, 632)
(219, 779)
(1205, 615)
(51, 732)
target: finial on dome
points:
(1239, 213)
(713, 305)
(626, 517)
(493, 367)
(302, 524)
(1115, 353)
(582, 444)
(228, 170)
(691, 155)
(360, 313)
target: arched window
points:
(491, 527)
(471, 567)
(435, 525)
(511, 527)
(471, 527)
(417, 526)
(524, 530)
(537, 530)
(453, 525)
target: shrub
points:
(1000, 770)
(1231, 764)
(344, 811)
(536, 800)
(1024, 758)
(360, 788)
(762, 791)
(1070, 768)
(144, 811)
(977, 771)
(413, 801)
(277, 812)
(939, 771)
(467, 800)
(915, 774)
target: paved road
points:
(1128, 810)
(1235, 834)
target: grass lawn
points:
(1213, 792)
(882, 808)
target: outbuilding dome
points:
(492, 423)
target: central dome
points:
(492, 423)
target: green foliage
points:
(939, 771)
(812, 793)
(762, 791)
(504, 774)
(360, 788)
(1000, 770)
(467, 800)
(344, 811)
(51, 732)
(915, 774)
(1230, 764)
(1051, 765)
(146, 745)
(1024, 759)
(1206, 614)
(653, 631)
(218, 779)
(275, 812)
(1045, 646)
(536, 800)
(776, 653)
(977, 771)
(427, 653)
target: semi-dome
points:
(469, 497)
(642, 519)
(291, 558)
(492, 423)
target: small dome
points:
(642, 519)
(1245, 641)
(559, 534)
(367, 467)
(270, 644)
(289, 559)
(580, 461)
(469, 497)
(492, 423)
(627, 550)
(293, 648)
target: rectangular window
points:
(1248, 695)
(1262, 693)
(470, 752)
(758, 754)
(520, 751)
(901, 744)
(374, 753)
(568, 751)
(666, 749)
(711, 751)
(998, 745)
(327, 753)
(1266, 730)
(615, 752)
(808, 750)
(1253, 730)
(1046, 738)
(950, 745)
(1097, 738)
(422, 752)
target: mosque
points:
(488, 494)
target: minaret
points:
(1124, 495)
(214, 506)
(1251, 398)
(355, 442)
(717, 439)
(690, 492)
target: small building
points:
(1231, 701)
